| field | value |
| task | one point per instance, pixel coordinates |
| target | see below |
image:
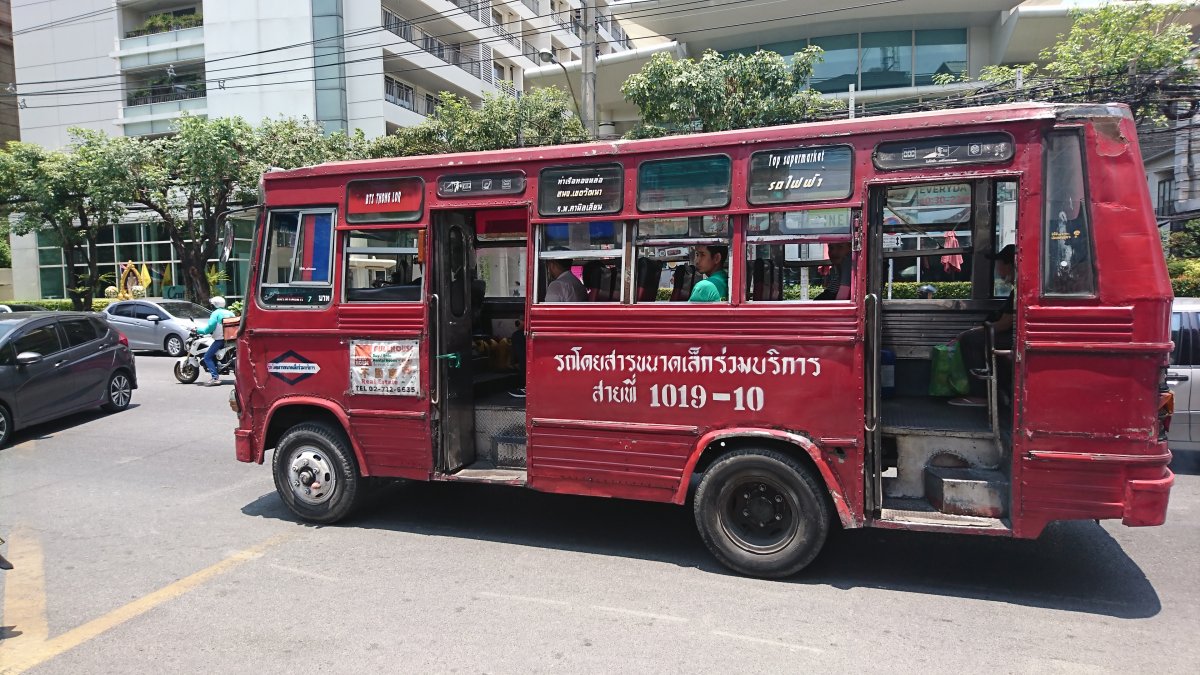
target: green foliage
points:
(288, 143)
(5, 249)
(237, 307)
(97, 305)
(718, 92)
(1186, 242)
(162, 23)
(543, 116)
(1186, 287)
(1092, 61)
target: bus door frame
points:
(872, 247)
(451, 392)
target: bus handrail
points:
(435, 384)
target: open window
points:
(928, 235)
(593, 251)
(799, 256)
(666, 250)
(384, 265)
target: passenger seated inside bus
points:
(836, 281)
(711, 261)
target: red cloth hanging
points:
(951, 261)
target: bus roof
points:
(1009, 112)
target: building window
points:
(1166, 197)
(940, 52)
(397, 92)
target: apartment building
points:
(10, 129)
(131, 67)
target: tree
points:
(503, 120)
(70, 195)
(718, 92)
(1137, 53)
(210, 166)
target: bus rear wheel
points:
(315, 472)
(761, 513)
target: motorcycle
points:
(191, 364)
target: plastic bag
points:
(947, 372)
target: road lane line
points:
(35, 655)
(647, 615)
(303, 573)
(24, 593)
(524, 598)
(773, 643)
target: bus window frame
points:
(537, 241)
(268, 247)
(1085, 209)
(729, 241)
(343, 233)
(637, 186)
(750, 239)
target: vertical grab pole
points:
(435, 364)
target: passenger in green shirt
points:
(710, 261)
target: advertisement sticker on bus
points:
(975, 149)
(458, 186)
(385, 368)
(795, 175)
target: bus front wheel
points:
(761, 513)
(315, 473)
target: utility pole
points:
(588, 75)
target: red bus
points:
(529, 317)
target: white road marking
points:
(634, 612)
(773, 643)
(304, 573)
(523, 598)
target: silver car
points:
(159, 325)
(55, 363)
(1183, 375)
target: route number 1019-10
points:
(696, 396)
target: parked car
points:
(56, 363)
(18, 307)
(1183, 375)
(159, 325)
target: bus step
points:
(487, 474)
(967, 492)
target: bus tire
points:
(315, 472)
(761, 513)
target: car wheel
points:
(186, 373)
(6, 426)
(120, 392)
(315, 472)
(761, 513)
(174, 346)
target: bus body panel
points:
(599, 420)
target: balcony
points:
(509, 37)
(185, 92)
(153, 49)
(532, 5)
(472, 57)
(163, 23)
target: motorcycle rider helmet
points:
(217, 301)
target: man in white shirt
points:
(564, 285)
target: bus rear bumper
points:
(1146, 501)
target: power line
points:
(470, 61)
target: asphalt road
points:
(143, 545)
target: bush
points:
(98, 304)
(1186, 287)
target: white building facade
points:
(131, 67)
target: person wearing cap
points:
(211, 328)
(974, 341)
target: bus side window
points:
(1067, 266)
(666, 254)
(594, 251)
(382, 266)
(298, 268)
(799, 256)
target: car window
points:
(185, 310)
(143, 311)
(1185, 333)
(79, 331)
(122, 310)
(7, 356)
(43, 340)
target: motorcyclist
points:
(213, 328)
